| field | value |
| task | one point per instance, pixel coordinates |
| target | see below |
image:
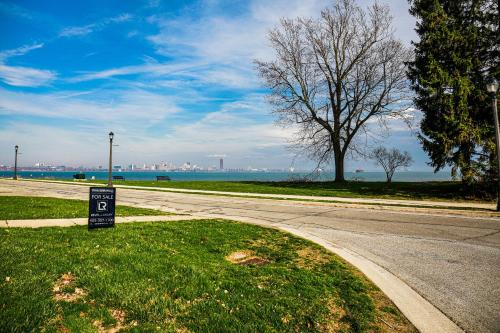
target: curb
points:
(422, 314)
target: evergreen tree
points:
(458, 51)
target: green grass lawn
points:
(18, 207)
(176, 277)
(397, 190)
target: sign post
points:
(102, 207)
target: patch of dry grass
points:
(119, 317)
(246, 257)
(310, 257)
(64, 289)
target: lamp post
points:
(16, 148)
(110, 169)
(492, 88)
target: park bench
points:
(79, 176)
(162, 178)
(118, 178)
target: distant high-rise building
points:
(221, 163)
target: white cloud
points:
(13, 9)
(229, 44)
(224, 39)
(77, 31)
(19, 51)
(153, 3)
(132, 33)
(152, 69)
(236, 77)
(32, 77)
(25, 76)
(130, 108)
(50, 144)
(203, 74)
(214, 48)
(89, 28)
(120, 18)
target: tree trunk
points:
(339, 167)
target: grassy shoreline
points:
(177, 277)
(433, 191)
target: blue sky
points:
(173, 79)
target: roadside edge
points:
(420, 312)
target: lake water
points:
(409, 176)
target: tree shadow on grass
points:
(401, 190)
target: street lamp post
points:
(110, 169)
(15, 162)
(492, 88)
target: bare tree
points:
(391, 160)
(333, 74)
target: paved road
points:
(453, 261)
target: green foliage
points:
(15, 208)
(174, 277)
(457, 52)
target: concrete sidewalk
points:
(367, 201)
(83, 221)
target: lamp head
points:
(492, 86)
(17, 147)
(111, 134)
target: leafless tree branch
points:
(332, 75)
(391, 160)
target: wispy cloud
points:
(77, 31)
(132, 33)
(23, 76)
(223, 38)
(89, 28)
(13, 9)
(196, 72)
(19, 51)
(227, 44)
(32, 77)
(124, 108)
(154, 69)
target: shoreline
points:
(234, 176)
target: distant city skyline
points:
(173, 80)
(183, 166)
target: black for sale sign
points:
(102, 207)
